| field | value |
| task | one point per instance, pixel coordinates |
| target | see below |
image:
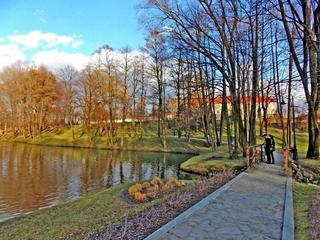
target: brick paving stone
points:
(251, 208)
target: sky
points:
(53, 32)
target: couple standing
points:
(269, 146)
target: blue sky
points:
(90, 23)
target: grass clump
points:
(303, 195)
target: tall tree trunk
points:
(255, 41)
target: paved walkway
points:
(251, 207)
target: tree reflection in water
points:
(32, 176)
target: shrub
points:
(174, 182)
(153, 189)
(166, 188)
(139, 197)
(145, 185)
(152, 194)
(134, 189)
(155, 181)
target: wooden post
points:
(248, 155)
(285, 157)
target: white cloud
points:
(46, 50)
(54, 59)
(35, 38)
(115, 57)
(9, 54)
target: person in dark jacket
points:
(273, 148)
(268, 147)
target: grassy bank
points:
(201, 164)
(303, 195)
(147, 142)
(72, 220)
(301, 137)
(208, 161)
(311, 164)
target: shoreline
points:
(200, 155)
(134, 149)
(182, 147)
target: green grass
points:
(303, 195)
(72, 220)
(148, 142)
(212, 161)
(311, 164)
(301, 137)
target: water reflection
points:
(33, 177)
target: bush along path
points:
(255, 205)
(144, 223)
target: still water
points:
(33, 177)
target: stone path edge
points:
(201, 204)
(288, 216)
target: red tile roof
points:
(247, 99)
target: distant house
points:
(195, 104)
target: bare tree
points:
(300, 17)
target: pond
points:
(34, 177)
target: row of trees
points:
(244, 49)
(28, 98)
(108, 91)
(196, 51)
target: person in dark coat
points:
(268, 147)
(273, 148)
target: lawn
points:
(303, 195)
(311, 164)
(72, 220)
(147, 142)
(212, 161)
(301, 137)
